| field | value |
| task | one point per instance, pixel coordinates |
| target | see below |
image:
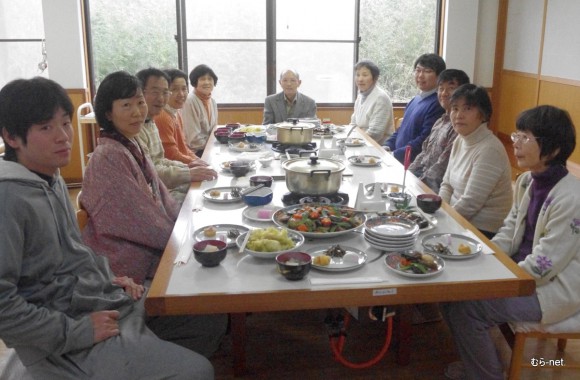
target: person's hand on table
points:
(197, 162)
(105, 325)
(202, 173)
(131, 288)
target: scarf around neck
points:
(205, 99)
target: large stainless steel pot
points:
(313, 175)
(295, 133)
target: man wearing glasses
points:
(176, 175)
(422, 111)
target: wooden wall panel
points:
(72, 172)
(564, 96)
(517, 93)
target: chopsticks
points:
(245, 242)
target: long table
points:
(243, 284)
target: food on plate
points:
(355, 141)
(439, 248)
(320, 218)
(210, 248)
(335, 251)
(412, 216)
(394, 189)
(269, 239)
(227, 164)
(264, 213)
(359, 159)
(215, 193)
(250, 128)
(241, 145)
(417, 262)
(464, 249)
(372, 161)
(209, 231)
(321, 260)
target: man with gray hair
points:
(289, 103)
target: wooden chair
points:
(516, 335)
(398, 121)
(82, 214)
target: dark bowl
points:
(256, 138)
(429, 203)
(294, 265)
(209, 258)
(223, 129)
(222, 137)
(237, 137)
(239, 168)
(256, 180)
(233, 126)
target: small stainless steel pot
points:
(295, 133)
(313, 175)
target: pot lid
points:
(307, 164)
(295, 124)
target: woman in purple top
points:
(541, 233)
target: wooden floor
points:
(294, 345)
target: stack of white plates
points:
(390, 233)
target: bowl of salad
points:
(315, 220)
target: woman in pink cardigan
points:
(131, 214)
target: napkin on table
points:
(185, 249)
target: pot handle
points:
(326, 171)
(301, 129)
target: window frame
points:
(271, 41)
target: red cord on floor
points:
(337, 346)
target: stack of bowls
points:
(390, 233)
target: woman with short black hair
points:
(541, 234)
(200, 113)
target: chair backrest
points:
(82, 218)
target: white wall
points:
(469, 38)
(64, 42)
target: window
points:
(247, 43)
(132, 35)
(21, 40)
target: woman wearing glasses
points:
(477, 182)
(541, 234)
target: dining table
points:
(243, 284)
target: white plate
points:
(315, 235)
(390, 248)
(226, 169)
(296, 237)
(452, 241)
(386, 188)
(392, 260)
(251, 213)
(365, 160)
(247, 148)
(225, 195)
(351, 260)
(221, 233)
(353, 142)
(425, 222)
(391, 227)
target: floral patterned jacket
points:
(555, 258)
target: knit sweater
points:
(555, 258)
(477, 182)
(196, 123)
(130, 221)
(420, 115)
(374, 114)
(174, 174)
(170, 127)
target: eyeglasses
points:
(521, 138)
(419, 71)
(158, 93)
